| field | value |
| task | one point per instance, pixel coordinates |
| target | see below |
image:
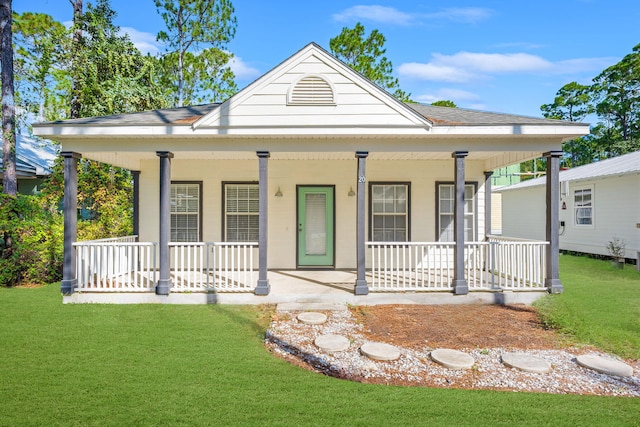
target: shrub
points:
(31, 239)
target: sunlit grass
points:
(129, 365)
(600, 305)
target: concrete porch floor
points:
(310, 289)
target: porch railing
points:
(207, 266)
(116, 264)
(492, 265)
(122, 264)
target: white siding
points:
(616, 212)
(524, 213)
(355, 104)
(286, 174)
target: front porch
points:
(121, 270)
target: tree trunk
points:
(10, 179)
(74, 112)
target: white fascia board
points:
(511, 130)
(54, 132)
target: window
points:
(583, 206)
(445, 207)
(389, 212)
(241, 216)
(186, 207)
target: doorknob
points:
(300, 227)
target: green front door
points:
(316, 226)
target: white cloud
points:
(242, 70)
(435, 72)
(390, 15)
(374, 13)
(469, 15)
(145, 42)
(493, 62)
(464, 67)
(455, 95)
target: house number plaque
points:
(362, 178)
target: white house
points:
(598, 202)
(310, 167)
(34, 162)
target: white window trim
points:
(574, 212)
(407, 214)
(225, 213)
(198, 213)
(474, 215)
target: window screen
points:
(241, 212)
(185, 212)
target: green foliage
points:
(104, 364)
(600, 305)
(207, 76)
(104, 198)
(196, 64)
(614, 97)
(101, 70)
(111, 74)
(37, 51)
(445, 103)
(366, 56)
(572, 103)
(30, 241)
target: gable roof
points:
(361, 105)
(34, 156)
(616, 166)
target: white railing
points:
(493, 265)
(122, 264)
(518, 263)
(410, 266)
(232, 266)
(207, 266)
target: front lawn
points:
(206, 365)
(600, 305)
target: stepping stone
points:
(526, 362)
(331, 343)
(312, 318)
(605, 365)
(380, 351)
(452, 359)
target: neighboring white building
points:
(598, 202)
(34, 162)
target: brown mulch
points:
(457, 326)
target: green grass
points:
(83, 365)
(600, 305)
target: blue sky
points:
(501, 55)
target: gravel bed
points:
(294, 341)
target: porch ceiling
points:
(131, 160)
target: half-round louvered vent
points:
(311, 90)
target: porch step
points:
(310, 306)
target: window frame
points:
(407, 184)
(200, 222)
(224, 208)
(582, 189)
(474, 184)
